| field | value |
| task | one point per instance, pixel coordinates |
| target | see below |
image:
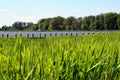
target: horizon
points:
(33, 11)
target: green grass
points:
(87, 57)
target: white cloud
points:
(9, 18)
(52, 14)
(105, 10)
(3, 12)
(24, 18)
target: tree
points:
(4, 28)
(19, 25)
(76, 24)
(57, 23)
(91, 22)
(86, 22)
(29, 24)
(111, 21)
(79, 22)
(71, 23)
(118, 21)
(47, 23)
(98, 23)
(44, 23)
(33, 27)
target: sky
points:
(34, 10)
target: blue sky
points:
(34, 10)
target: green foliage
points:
(88, 57)
(100, 22)
(111, 21)
(57, 23)
(107, 21)
(85, 23)
(118, 21)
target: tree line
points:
(106, 21)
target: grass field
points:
(87, 57)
